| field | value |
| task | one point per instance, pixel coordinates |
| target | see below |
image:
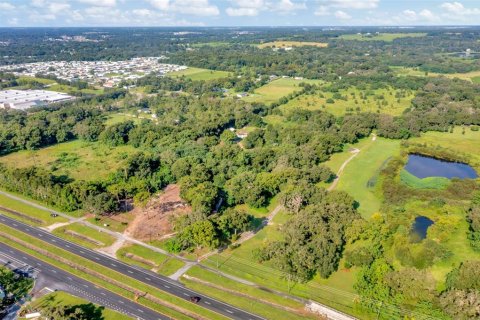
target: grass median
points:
(140, 286)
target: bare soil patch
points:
(154, 222)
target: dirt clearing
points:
(154, 222)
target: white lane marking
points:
(54, 271)
(231, 312)
(207, 302)
(69, 278)
(16, 225)
(82, 251)
(140, 310)
(166, 286)
(67, 246)
(129, 271)
(113, 264)
(148, 278)
(103, 293)
(97, 258)
(121, 301)
(53, 240)
(186, 294)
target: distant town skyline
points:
(65, 13)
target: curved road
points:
(143, 275)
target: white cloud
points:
(342, 15)
(57, 7)
(288, 6)
(351, 4)
(6, 6)
(100, 3)
(422, 16)
(191, 7)
(409, 14)
(241, 12)
(254, 7)
(459, 9)
(322, 11)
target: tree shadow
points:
(89, 311)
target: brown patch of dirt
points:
(154, 222)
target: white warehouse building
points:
(24, 99)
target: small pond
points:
(424, 167)
(420, 227)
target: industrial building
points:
(25, 99)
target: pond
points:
(424, 167)
(419, 228)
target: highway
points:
(57, 279)
(148, 277)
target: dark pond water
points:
(423, 167)
(420, 227)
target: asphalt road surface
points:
(143, 275)
(57, 279)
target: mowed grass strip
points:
(410, 180)
(140, 286)
(211, 277)
(25, 209)
(77, 159)
(60, 298)
(149, 259)
(262, 309)
(286, 44)
(84, 235)
(362, 169)
(200, 74)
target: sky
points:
(65, 13)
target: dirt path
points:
(339, 173)
(112, 250)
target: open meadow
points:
(352, 100)
(200, 74)
(274, 90)
(78, 159)
(463, 143)
(286, 44)
(360, 176)
(388, 37)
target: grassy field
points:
(380, 100)
(473, 76)
(387, 37)
(161, 263)
(41, 215)
(465, 145)
(85, 236)
(78, 159)
(285, 44)
(364, 168)
(115, 118)
(72, 90)
(60, 298)
(274, 90)
(200, 74)
(425, 183)
(117, 223)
